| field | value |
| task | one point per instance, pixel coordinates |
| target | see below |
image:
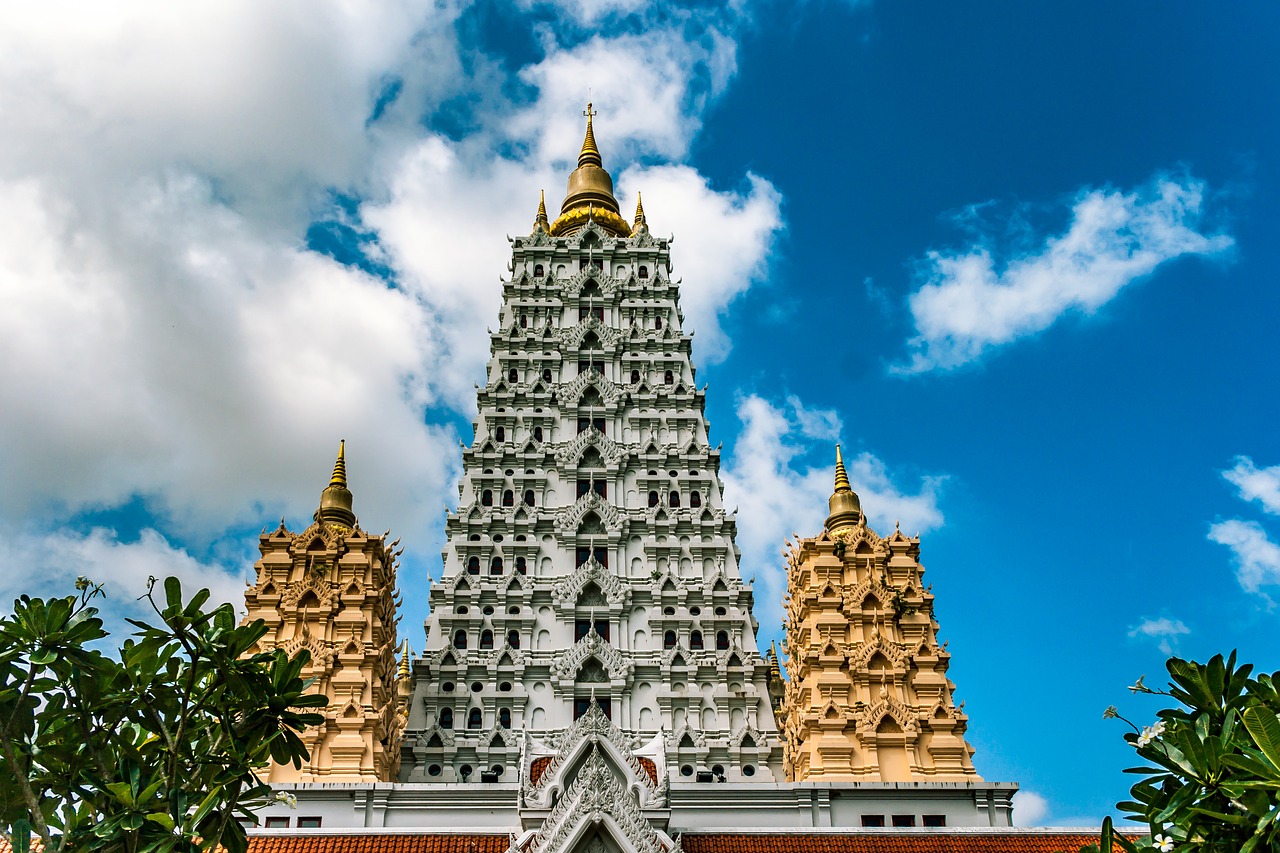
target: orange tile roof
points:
(538, 767)
(936, 841)
(650, 769)
(288, 842)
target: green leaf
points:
(1264, 727)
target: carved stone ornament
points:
(569, 454)
(569, 520)
(566, 591)
(565, 669)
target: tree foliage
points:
(152, 749)
(1212, 781)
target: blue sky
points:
(1019, 258)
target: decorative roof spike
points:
(404, 660)
(842, 476)
(640, 221)
(541, 220)
(339, 477)
(590, 153)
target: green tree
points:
(152, 749)
(1212, 784)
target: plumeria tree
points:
(153, 748)
(1211, 782)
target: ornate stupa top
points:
(336, 500)
(589, 196)
(846, 509)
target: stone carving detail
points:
(570, 392)
(571, 336)
(569, 520)
(568, 455)
(565, 669)
(565, 592)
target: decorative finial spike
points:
(590, 154)
(339, 477)
(541, 219)
(640, 221)
(842, 476)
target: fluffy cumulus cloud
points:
(1163, 631)
(1256, 484)
(1256, 556)
(1029, 808)
(172, 342)
(777, 495)
(972, 301)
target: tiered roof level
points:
(590, 560)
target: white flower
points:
(1146, 737)
(1157, 729)
(1163, 843)
(290, 800)
(1110, 713)
(1139, 687)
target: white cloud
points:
(971, 302)
(1256, 484)
(1029, 808)
(52, 561)
(1257, 558)
(775, 497)
(1164, 630)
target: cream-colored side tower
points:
(331, 589)
(868, 698)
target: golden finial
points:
(846, 509)
(640, 220)
(842, 476)
(335, 500)
(339, 477)
(541, 219)
(404, 660)
(590, 153)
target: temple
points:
(590, 679)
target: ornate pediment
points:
(566, 666)
(566, 591)
(569, 454)
(568, 520)
(569, 392)
(571, 336)
(871, 717)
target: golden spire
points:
(590, 153)
(541, 219)
(640, 222)
(335, 500)
(846, 509)
(404, 660)
(842, 476)
(589, 195)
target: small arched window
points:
(674, 500)
(546, 375)
(495, 566)
(643, 273)
(486, 497)
(635, 377)
(537, 433)
(486, 639)
(500, 434)
(524, 321)
(695, 640)
(653, 499)
(668, 378)
(528, 497)
(695, 499)
(460, 639)
(513, 639)
(473, 566)
(446, 718)
(669, 640)
(508, 498)
(513, 375)
(504, 717)
(537, 269)
(520, 565)
(722, 640)
(473, 719)
(657, 322)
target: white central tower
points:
(591, 585)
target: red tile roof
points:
(650, 769)
(538, 767)
(287, 842)
(935, 841)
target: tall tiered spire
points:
(640, 222)
(590, 154)
(540, 221)
(336, 499)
